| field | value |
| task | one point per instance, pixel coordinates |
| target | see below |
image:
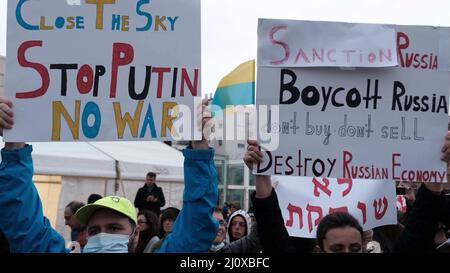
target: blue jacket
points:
(195, 228)
(27, 230)
(21, 217)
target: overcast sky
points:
(229, 26)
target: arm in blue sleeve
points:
(21, 217)
(195, 227)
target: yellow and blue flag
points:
(238, 87)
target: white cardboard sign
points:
(367, 123)
(291, 43)
(103, 70)
(304, 201)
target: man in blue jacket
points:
(109, 223)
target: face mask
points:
(107, 243)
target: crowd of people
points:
(112, 224)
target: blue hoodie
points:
(27, 230)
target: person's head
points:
(110, 222)
(238, 225)
(340, 232)
(69, 215)
(94, 197)
(221, 233)
(148, 222)
(410, 192)
(233, 207)
(168, 217)
(150, 178)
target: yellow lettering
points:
(133, 123)
(159, 22)
(167, 119)
(100, 3)
(58, 109)
(125, 23)
(70, 22)
(43, 26)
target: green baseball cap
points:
(116, 203)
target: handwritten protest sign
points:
(304, 201)
(366, 123)
(291, 44)
(103, 69)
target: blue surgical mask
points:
(107, 243)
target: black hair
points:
(94, 197)
(151, 174)
(336, 220)
(168, 213)
(74, 206)
(153, 230)
(232, 239)
(152, 222)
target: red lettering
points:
(294, 209)
(347, 159)
(394, 164)
(283, 45)
(317, 210)
(362, 207)
(85, 72)
(380, 207)
(186, 80)
(349, 183)
(119, 60)
(341, 209)
(160, 71)
(318, 185)
(36, 66)
(402, 43)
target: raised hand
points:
(6, 114)
(253, 155)
(205, 124)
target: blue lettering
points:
(172, 22)
(91, 108)
(146, 14)
(80, 22)
(148, 120)
(115, 22)
(19, 17)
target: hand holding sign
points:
(205, 125)
(7, 121)
(253, 154)
(6, 114)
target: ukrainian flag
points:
(238, 87)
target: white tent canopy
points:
(98, 159)
(105, 168)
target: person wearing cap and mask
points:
(110, 224)
(110, 221)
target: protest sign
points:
(304, 201)
(289, 43)
(103, 69)
(365, 123)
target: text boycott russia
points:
(358, 101)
